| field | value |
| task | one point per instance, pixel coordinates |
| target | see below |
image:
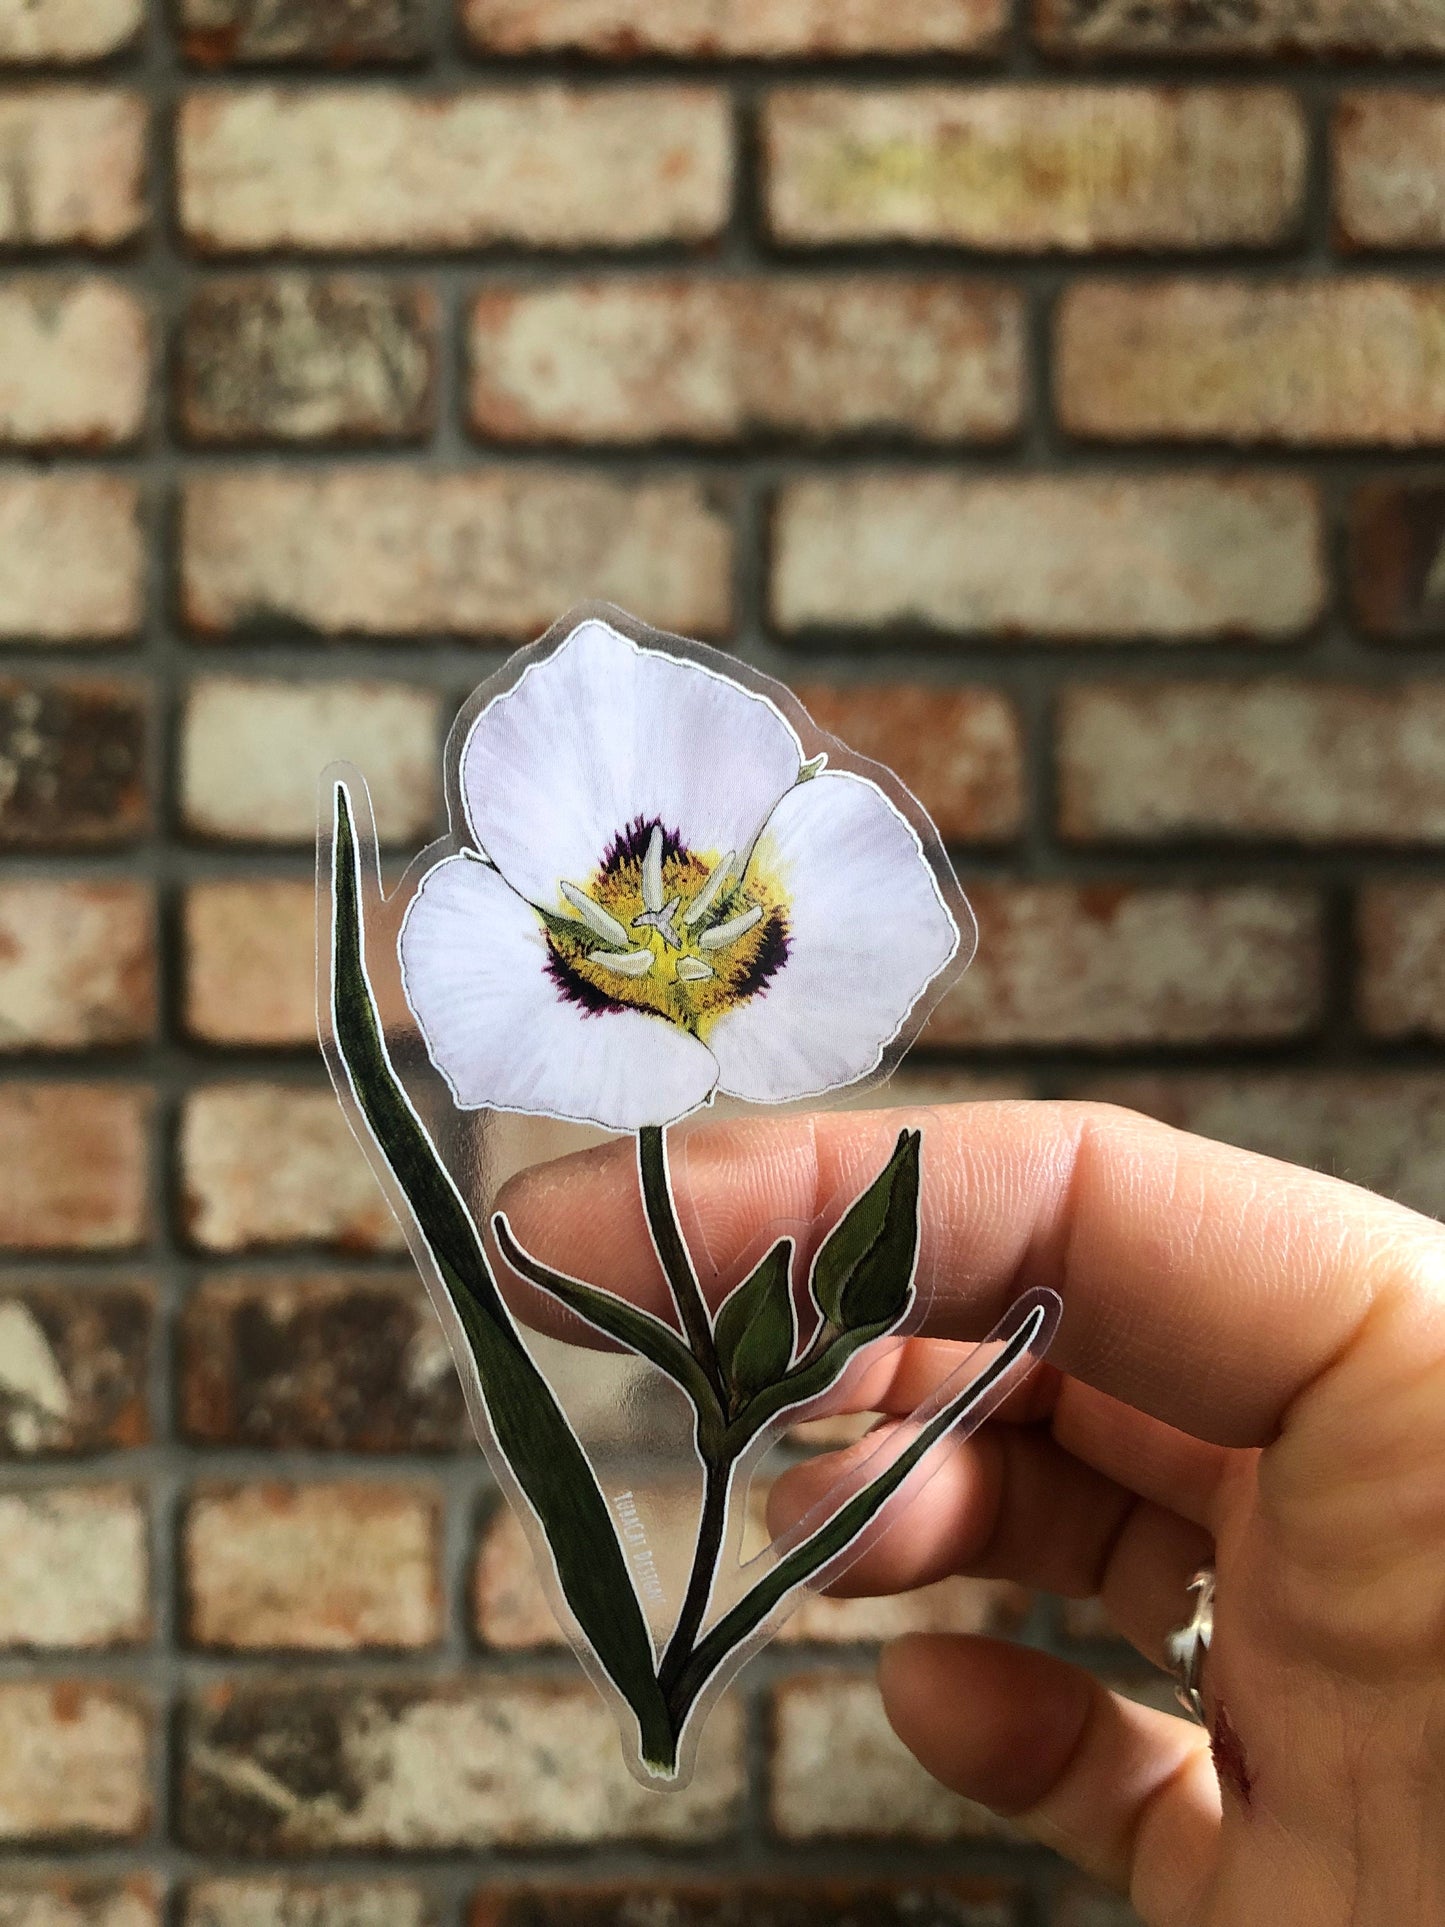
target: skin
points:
(1251, 1366)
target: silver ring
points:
(1188, 1645)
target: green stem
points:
(686, 1291)
(712, 1523)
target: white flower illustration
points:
(664, 901)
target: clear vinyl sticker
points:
(583, 1043)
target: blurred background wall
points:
(1052, 397)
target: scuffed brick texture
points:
(318, 1568)
(74, 1366)
(62, 1902)
(268, 1164)
(73, 1763)
(1401, 959)
(1397, 559)
(72, 763)
(250, 955)
(75, 1158)
(1293, 362)
(66, 31)
(1172, 557)
(838, 1768)
(329, 1361)
(289, 358)
(215, 33)
(307, 1903)
(70, 558)
(74, 173)
(544, 166)
(1034, 169)
(712, 360)
(959, 750)
(76, 1568)
(74, 361)
(77, 964)
(1113, 965)
(756, 29)
(1389, 153)
(251, 754)
(390, 552)
(1266, 27)
(748, 1903)
(1383, 1129)
(1310, 763)
(434, 1767)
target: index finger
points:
(1202, 1284)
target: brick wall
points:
(1054, 394)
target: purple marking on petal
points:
(630, 845)
(577, 989)
(767, 960)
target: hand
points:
(1251, 1366)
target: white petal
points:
(602, 733)
(868, 930)
(505, 1037)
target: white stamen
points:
(599, 921)
(692, 970)
(730, 931)
(663, 921)
(652, 871)
(627, 963)
(705, 897)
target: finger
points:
(1125, 1792)
(1009, 1503)
(1202, 1284)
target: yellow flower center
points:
(683, 934)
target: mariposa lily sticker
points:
(665, 892)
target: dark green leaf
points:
(795, 1568)
(808, 1382)
(638, 1330)
(531, 1429)
(755, 1327)
(863, 1273)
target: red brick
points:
(73, 1763)
(1294, 363)
(271, 1164)
(1397, 541)
(218, 33)
(395, 552)
(370, 168)
(1382, 1129)
(1309, 763)
(74, 1367)
(76, 1568)
(253, 752)
(251, 962)
(928, 1900)
(313, 1568)
(298, 358)
(327, 1361)
(75, 172)
(434, 1766)
(72, 763)
(58, 1901)
(1037, 168)
(259, 1901)
(74, 363)
(1278, 27)
(737, 29)
(71, 562)
(77, 964)
(1067, 557)
(959, 750)
(66, 32)
(75, 1158)
(1401, 931)
(1387, 158)
(712, 360)
(837, 1769)
(1116, 965)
